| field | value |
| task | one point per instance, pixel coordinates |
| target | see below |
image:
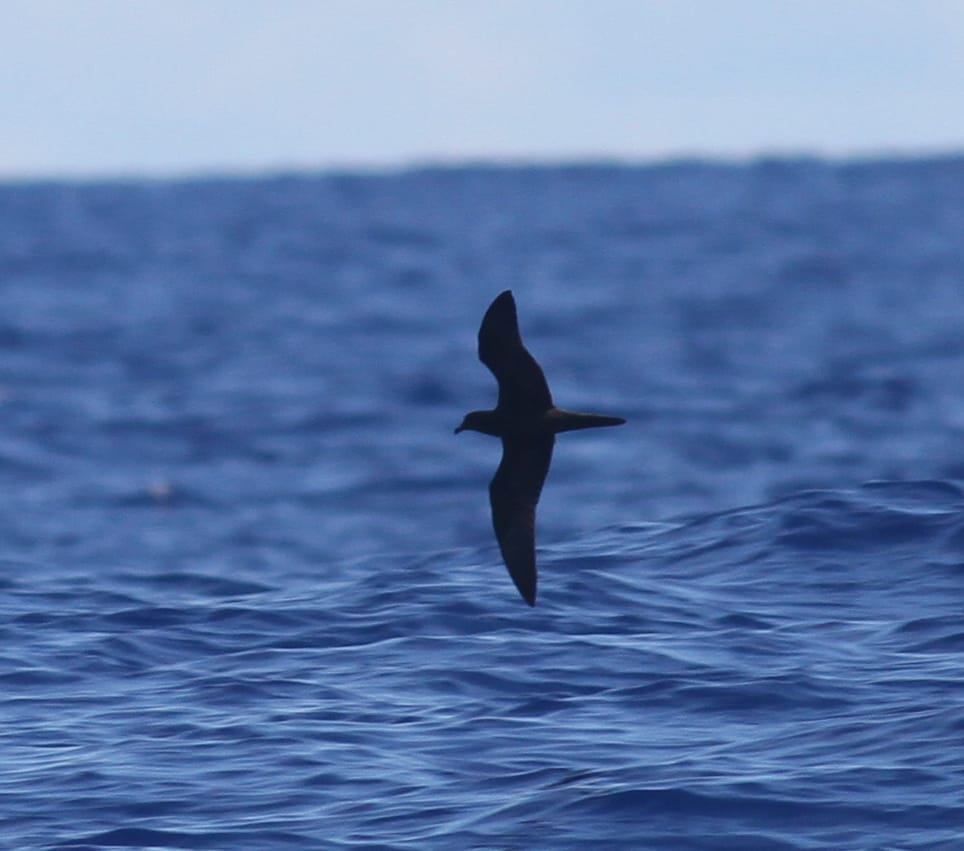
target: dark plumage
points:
(527, 421)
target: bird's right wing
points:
(522, 384)
(514, 493)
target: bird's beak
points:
(459, 429)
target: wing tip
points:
(526, 586)
(502, 304)
(529, 596)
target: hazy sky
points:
(173, 86)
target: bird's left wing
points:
(514, 493)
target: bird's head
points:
(484, 421)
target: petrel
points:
(528, 422)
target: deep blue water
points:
(249, 592)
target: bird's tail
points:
(571, 421)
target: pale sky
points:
(116, 87)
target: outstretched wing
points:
(514, 493)
(522, 385)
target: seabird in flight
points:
(528, 422)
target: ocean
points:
(250, 597)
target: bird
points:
(527, 422)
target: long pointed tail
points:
(571, 421)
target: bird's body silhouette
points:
(527, 421)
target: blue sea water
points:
(249, 592)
